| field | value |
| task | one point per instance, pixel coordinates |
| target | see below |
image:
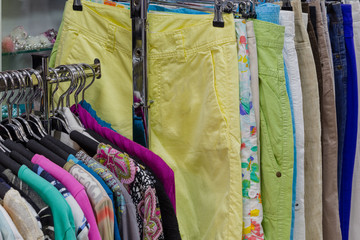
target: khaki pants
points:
(312, 126)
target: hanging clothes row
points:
(253, 126)
(53, 189)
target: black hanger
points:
(19, 148)
(7, 162)
(21, 159)
(40, 149)
(286, 5)
(90, 146)
(3, 190)
(61, 145)
(2, 169)
(54, 148)
(77, 6)
(101, 139)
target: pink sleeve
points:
(74, 187)
(157, 165)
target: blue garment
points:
(268, 12)
(336, 32)
(2, 181)
(138, 132)
(154, 7)
(288, 90)
(351, 124)
(90, 110)
(106, 188)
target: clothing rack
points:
(44, 77)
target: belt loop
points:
(110, 43)
(180, 46)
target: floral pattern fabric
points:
(252, 206)
(141, 186)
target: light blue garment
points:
(159, 8)
(5, 229)
(93, 113)
(154, 7)
(295, 169)
(268, 12)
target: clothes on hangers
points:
(64, 226)
(100, 201)
(140, 186)
(153, 161)
(107, 190)
(44, 213)
(75, 188)
(126, 208)
(331, 222)
(81, 224)
(22, 215)
(287, 19)
(355, 210)
(7, 227)
(302, 93)
(249, 159)
(351, 123)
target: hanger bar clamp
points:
(138, 14)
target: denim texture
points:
(336, 31)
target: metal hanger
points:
(71, 73)
(10, 125)
(30, 118)
(17, 100)
(38, 93)
(55, 120)
(82, 78)
(2, 127)
(26, 126)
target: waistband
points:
(335, 13)
(269, 34)
(268, 12)
(287, 20)
(347, 14)
(305, 7)
(250, 29)
(355, 6)
(315, 10)
(296, 4)
(168, 34)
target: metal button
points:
(339, 67)
(278, 174)
(337, 55)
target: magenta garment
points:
(74, 187)
(164, 173)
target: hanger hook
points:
(61, 98)
(76, 75)
(82, 84)
(52, 96)
(29, 96)
(92, 81)
(6, 88)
